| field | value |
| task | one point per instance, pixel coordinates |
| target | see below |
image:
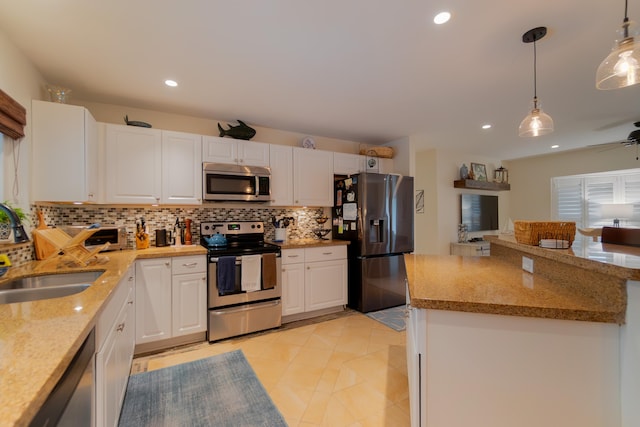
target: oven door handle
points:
(238, 260)
(246, 307)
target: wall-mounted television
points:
(479, 212)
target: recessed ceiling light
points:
(171, 83)
(487, 126)
(442, 17)
(555, 146)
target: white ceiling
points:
(370, 71)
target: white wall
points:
(19, 79)
(530, 178)
(403, 153)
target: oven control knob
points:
(257, 225)
(206, 227)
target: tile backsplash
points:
(165, 217)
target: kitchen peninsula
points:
(491, 344)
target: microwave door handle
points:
(257, 178)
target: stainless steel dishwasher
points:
(71, 402)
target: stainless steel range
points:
(244, 279)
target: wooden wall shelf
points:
(481, 185)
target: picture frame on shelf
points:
(479, 171)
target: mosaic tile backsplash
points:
(165, 217)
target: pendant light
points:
(622, 67)
(537, 121)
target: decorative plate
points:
(308, 142)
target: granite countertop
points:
(615, 260)
(308, 243)
(490, 285)
(38, 339)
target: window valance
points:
(13, 117)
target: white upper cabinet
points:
(234, 151)
(181, 168)
(281, 161)
(65, 153)
(133, 172)
(348, 164)
(313, 177)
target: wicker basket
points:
(531, 232)
(384, 152)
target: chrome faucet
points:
(19, 234)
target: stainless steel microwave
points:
(223, 182)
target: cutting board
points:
(43, 248)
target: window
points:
(580, 198)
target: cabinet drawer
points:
(325, 253)
(292, 256)
(189, 264)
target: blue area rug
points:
(392, 317)
(220, 390)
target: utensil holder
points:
(281, 234)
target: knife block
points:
(142, 240)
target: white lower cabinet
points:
(115, 339)
(292, 281)
(153, 293)
(172, 295)
(313, 279)
(189, 295)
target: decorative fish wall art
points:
(136, 123)
(241, 131)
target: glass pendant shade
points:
(536, 123)
(621, 68)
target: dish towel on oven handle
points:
(251, 273)
(226, 274)
(269, 274)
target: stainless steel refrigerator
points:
(375, 212)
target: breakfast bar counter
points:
(491, 285)
(489, 343)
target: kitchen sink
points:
(32, 288)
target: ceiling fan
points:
(631, 140)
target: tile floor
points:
(346, 371)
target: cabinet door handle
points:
(168, 263)
(308, 268)
(327, 253)
(189, 264)
(120, 327)
(292, 256)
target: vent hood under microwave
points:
(225, 182)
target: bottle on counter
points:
(187, 232)
(177, 233)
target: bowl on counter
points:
(321, 232)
